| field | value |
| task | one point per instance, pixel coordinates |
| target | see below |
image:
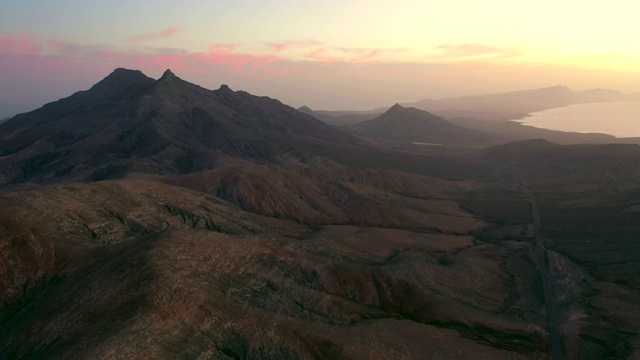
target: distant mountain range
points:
(130, 123)
(473, 120)
(342, 118)
(491, 107)
(511, 105)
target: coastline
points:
(620, 119)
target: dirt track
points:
(551, 300)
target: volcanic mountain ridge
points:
(129, 122)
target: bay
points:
(620, 119)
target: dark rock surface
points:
(131, 123)
(239, 228)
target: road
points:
(551, 301)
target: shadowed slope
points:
(401, 124)
(323, 192)
(540, 162)
(131, 123)
(352, 260)
(145, 269)
(588, 198)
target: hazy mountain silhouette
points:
(495, 107)
(511, 105)
(490, 113)
(130, 122)
(413, 125)
(341, 117)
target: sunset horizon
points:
(326, 56)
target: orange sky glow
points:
(327, 55)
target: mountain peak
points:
(124, 72)
(408, 124)
(305, 109)
(121, 75)
(225, 88)
(120, 81)
(561, 88)
(169, 80)
(396, 108)
(168, 74)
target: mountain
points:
(515, 131)
(136, 267)
(305, 110)
(491, 113)
(513, 105)
(340, 118)
(236, 227)
(400, 124)
(502, 105)
(129, 122)
(492, 107)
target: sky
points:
(324, 54)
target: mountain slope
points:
(297, 243)
(130, 122)
(402, 124)
(133, 267)
(588, 198)
(341, 118)
(540, 162)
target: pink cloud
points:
(376, 56)
(168, 61)
(222, 48)
(164, 34)
(47, 69)
(352, 55)
(285, 45)
(23, 44)
(468, 51)
(223, 54)
(321, 55)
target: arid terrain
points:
(151, 218)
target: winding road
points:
(551, 301)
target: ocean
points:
(620, 119)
